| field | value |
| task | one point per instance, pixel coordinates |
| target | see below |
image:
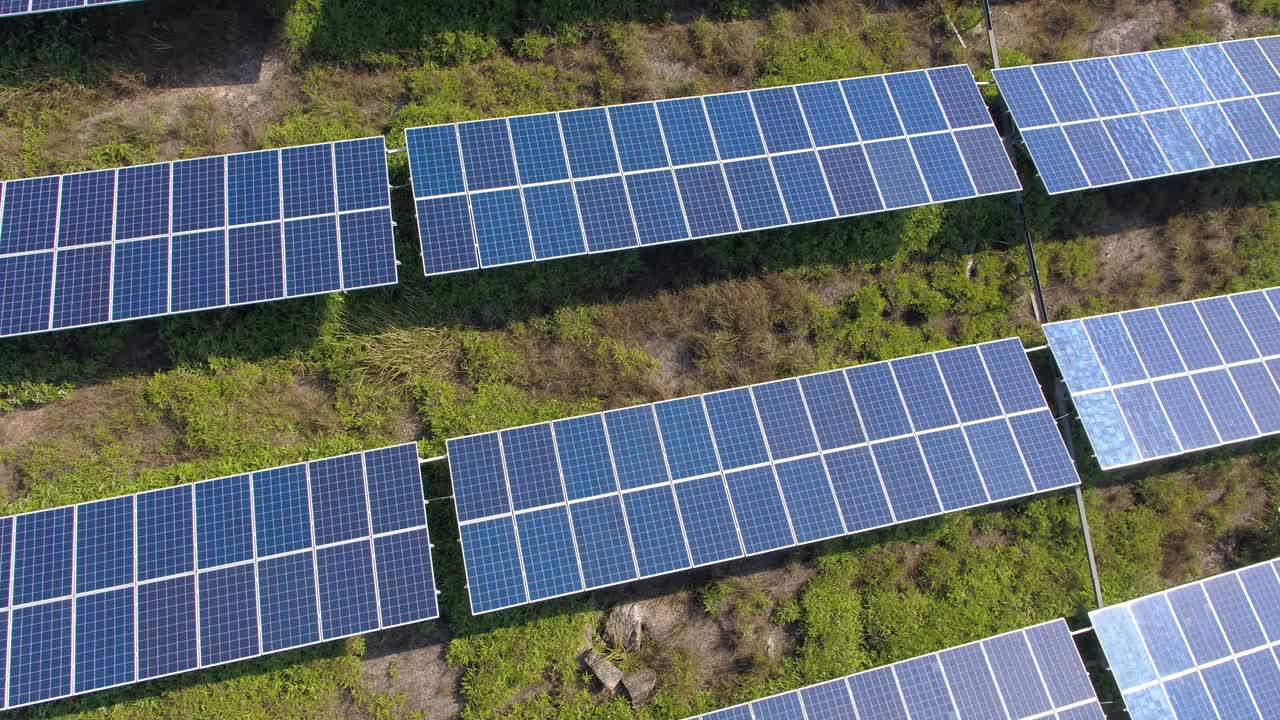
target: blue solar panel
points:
(154, 240)
(1159, 382)
(639, 137)
(1205, 647)
(224, 534)
(804, 188)
(963, 682)
(932, 119)
(348, 593)
(105, 645)
(27, 7)
(226, 569)
(547, 547)
(167, 627)
(338, 500)
(1165, 112)
(658, 488)
(228, 614)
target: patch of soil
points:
(242, 96)
(88, 409)
(410, 662)
(82, 410)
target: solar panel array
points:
(514, 190)
(28, 7)
(1163, 381)
(1104, 121)
(557, 508)
(1203, 650)
(112, 245)
(1031, 673)
(137, 587)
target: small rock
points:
(624, 626)
(606, 672)
(640, 685)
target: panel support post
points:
(1042, 317)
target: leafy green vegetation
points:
(99, 412)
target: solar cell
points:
(658, 488)
(9, 8)
(741, 161)
(213, 572)
(969, 681)
(1162, 113)
(153, 240)
(1201, 650)
(1159, 382)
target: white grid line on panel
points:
(724, 481)
(764, 142)
(617, 483)
(773, 466)
(368, 519)
(911, 423)
(515, 528)
(907, 138)
(715, 144)
(666, 465)
(337, 225)
(826, 472)
(573, 183)
(53, 274)
(967, 443)
(573, 530)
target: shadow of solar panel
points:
(1032, 673)
(1198, 649)
(31, 7)
(557, 508)
(213, 572)
(740, 161)
(155, 240)
(1103, 121)
(1160, 382)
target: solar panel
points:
(1173, 379)
(1205, 647)
(586, 502)
(515, 190)
(152, 240)
(1104, 121)
(117, 591)
(1032, 673)
(29, 7)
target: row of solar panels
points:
(28, 7)
(513, 190)
(114, 245)
(111, 245)
(1164, 381)
(117, 591)
(1209, 649)
(1103, 121)
(557, 508)
(1031, 673)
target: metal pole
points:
(1042, 316)
(991, 34)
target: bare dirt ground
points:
(411, 663)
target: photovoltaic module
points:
(152, 240)
(557, 508)
(1109, 120)
(514, 190)
(117, 591)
